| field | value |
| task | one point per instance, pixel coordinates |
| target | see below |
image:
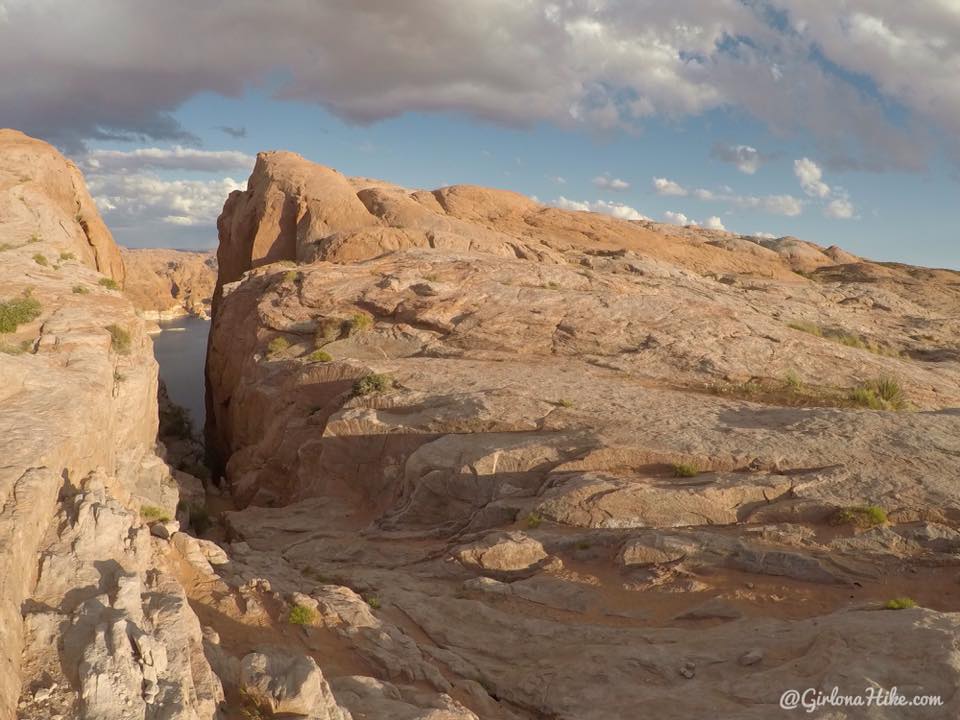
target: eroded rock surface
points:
(165, 284)
(93, 624)
(517, 462)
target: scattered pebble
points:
(751, 657)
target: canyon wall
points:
(526, 463)
(92, 622)
(165, 284)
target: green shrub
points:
(863, 516)
(843, 337)
(81, 290)
(373, 601)
(329, 329)
(792, 380)
(175, 422)
(277, 345)
(41, 259)
(900, 603)
(67, 256)
(291, 276)
(888, 389)
(20, 349)
(108, 283)
(320, 356)
(35, 238)
(371, 384)
(359, 322)
(684, 470)
(565, 403)
(534, 520)
(865, 397)
(301, 615)
(18, 311)
(883, 393)
(119, 339)
(152, 512)
(807, 327)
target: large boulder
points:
(288, 684)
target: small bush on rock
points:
(884, 393)
(277, 345)
(81, 290)
(152, 512)
(301, 615)
(108, 283)
(534, 520)
(320, 356)
(20, 349)
(329, 329)
(901, 603)
(119, 339)
(175, 422)
(807, 327)
(862, 516)
(359, 322)
(41, 259)
(372, 384)
(18, 311)
(685, 470)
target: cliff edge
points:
(92, 622)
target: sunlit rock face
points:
(572, 466)
(92, 621)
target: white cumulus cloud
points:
(617, 210)
(837, 203)
(611, 183)
(839, 208)
(175, 158)
(747, 159)
(138, 199)
(121, 69)
(678, 218)
(663, 186)
(811, 178)
(714, 223)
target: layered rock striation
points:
(519, 462)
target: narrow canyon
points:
(466, 456)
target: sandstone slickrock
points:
(283, 684)
(638, 436)
(92, 622)
(165, 284)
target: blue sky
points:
(846, 115)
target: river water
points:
(181, 352)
